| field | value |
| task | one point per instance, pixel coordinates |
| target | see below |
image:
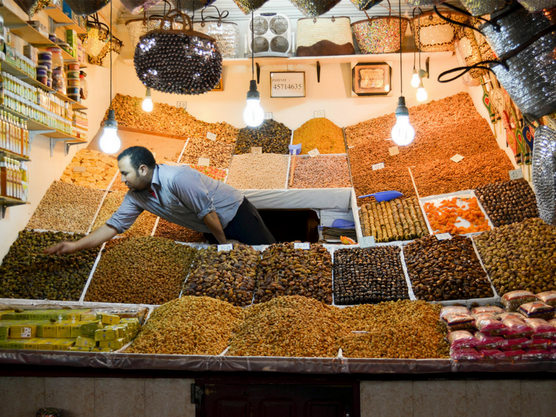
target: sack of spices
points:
(324, 36)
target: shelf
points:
(6, 202)
(49, 132)
(37, 39)
(13, 15)
(14, 155)
(63, 19)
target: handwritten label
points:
(516, 174)
(443, 236)
(181, 105)
(378, 166)
(457, 158)
(224, 248)
(205, 162)
(359, 332)
(79, 169)
(211, 136)
(313, 153)
(319, 113)
(268, 116)
(394, 150)
(367, 242)
(257, 149)
(304, 246)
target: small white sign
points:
(287, 84)
(318, 113)
(26, 332)
(257, 149)
(313, 153)
(211, 136)
(394, 150)
(181, 105)
(224, 248)
(516, 174)
(443, 236)
(378, 166)
(205, 162)
(268, 116)
(367, 242)
(79, 169)
(304, 246)
(359, 332)
(457, 158)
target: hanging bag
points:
(248, 6)
(324, 36)
(96, 38)
(138, 6)
(537, 5)
(365, 4)
(314, 8)
(85, 8)
(31, 7)
(434, 34)
(482, 7)
(225, 33)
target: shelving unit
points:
(63, 20)
(14, 155)
(6, 202)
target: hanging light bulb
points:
(109, 141)
(421, 92)
(253, 115)
(148, 102)
(402, 133)
(415, 79)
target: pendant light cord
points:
(401, 57)
(252, 44)
(111, 35)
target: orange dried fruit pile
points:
(443, 218)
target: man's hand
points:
(103, 234)
(61, 248)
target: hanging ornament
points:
(138, 6)
(365, 4)
(85, 8)
(178, 61)
(192, 5)
(248, 6)
(314, 8)
(32, 7)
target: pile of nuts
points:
(520, 256)
(325, 171)
(218, 153)
(177, 233)
(90, 169)
(508, 202)
(167, 119)
(188, 326)
(66, 208)
(111, 203)
(394, 329)
(322, 134)
(143, 270)
(368, 275)
(226, 275)
(272, 136)
(26, 272)
(446, 269)
(285, 270)
(143, 226)
(288, 326)
(258, 171)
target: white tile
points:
(169, 398)
(490, 398)
(386, 398)
(122, 397)
(76, 396)
(21, 396)
(439, 398)
(538, 398)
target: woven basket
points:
(482, 7)
(314, 8)
(32, 6)
(434, 34)
(191, 5)
(82, 7)
(226, 34)
(103, 58)
(336, 30)
(139, 27)
(248, 6)
(138, 6)
(94, 41)
(537, 5)
(467, 47)
(365, 4)
(379, 35)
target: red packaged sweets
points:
(465, 354)
(542, 329)
(511, 315)
(453, 310)
(510, 354)
(489, 353)
(461, 339)
(540, 344)
(517, 329)
(537, 310)
(548, 297)
(537, 354)
(515, 344)
(487, 310)
(458, 321)
(486, 341)
(513, 299)
(489, 324)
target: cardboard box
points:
(110, 318)
(87, 342)
(23, 331)
(63, 330)
(98, 349)
(62, 344)
(47, 331)
(79, 349)
(108, 333)
(32, 344)
(89, 329)
(47, 344)
(112, 344)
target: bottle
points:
(3, 177)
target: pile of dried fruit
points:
(258, 172)
(324, 171)
(26, 272)
(272, 136)
(144, 270)
(66, 208)
(320, 133)
(188, 326)
(400, 329)
(285, 270)
(217, 153)
(444, 128)
(90, 169)
(212, 172)
(288, 326)
(508, 202)
(443, 218)
(167, 119)
(398, 219)
(445, 269)
(368, 275)
(177, 233)
(520, 256)
(111, 203)
(226, 275)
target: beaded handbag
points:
(32, 6)
(482, 7)
(537, 5)
(248, 6)
(379, 34)
(314, 8)
(365, 4)
(82, 8)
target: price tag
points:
(304, 246)
(367, 242)
(268, 116)
(443, 236)
(313, 153)
(378, 166)
(211, 136)
(257, 149)
(394, 150)
(204, 162)
(359, 332)
(26, 332)
(79, 169)
(457, 158)
(516, 174)
(318, 113)
(224, 248)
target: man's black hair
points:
(138, 155)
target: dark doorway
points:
(292, 225)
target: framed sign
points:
(220, 85)
(287, 84)
(370, 79)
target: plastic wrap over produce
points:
(544, 181)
